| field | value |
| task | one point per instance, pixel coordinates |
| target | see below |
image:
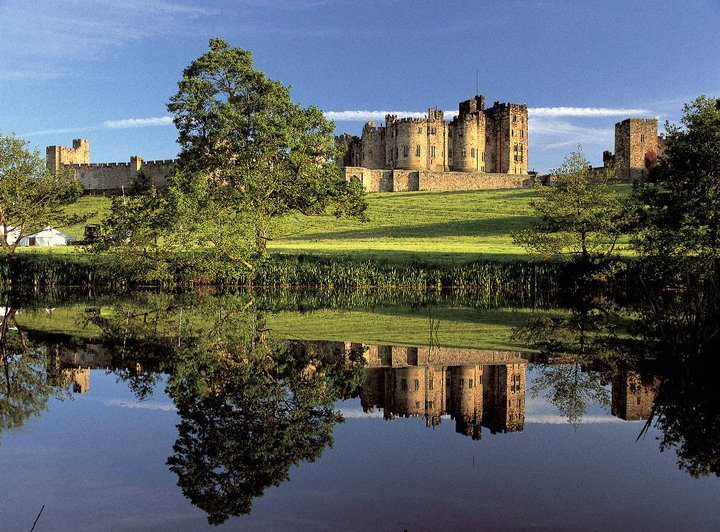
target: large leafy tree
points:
(256, 151)
(579, 212)
(680, 203)
(31, 197)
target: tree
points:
(31, 197)
(578, 212)
(252, 148)
(679, 205)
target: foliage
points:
(26, 383)
(679, 206)
(31, 197)
(579, 212)
(250, 148)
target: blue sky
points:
(104, 69)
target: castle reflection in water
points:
(475, 388)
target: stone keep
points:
(477, 140)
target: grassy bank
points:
(433, 228)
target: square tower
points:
(636, 147)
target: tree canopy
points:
(679, 205)
(31, 197)
(578, 212)
(260, 152)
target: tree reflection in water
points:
(27, 379)
(618, 324)
(251, 406)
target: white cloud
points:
(533, 112)
(142, 405)
(550, 419)
(585, 111)
(138, 122)
(124, 123)
(372, 116)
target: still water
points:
(174, 413)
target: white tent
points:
(11, 233)
(45, 238)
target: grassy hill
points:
(427, 227)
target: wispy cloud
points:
(585, 111)
(124, 123)
(142, 405)
(52, 37)
(578, 112)
(368, 116)
(138, 122)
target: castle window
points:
(430, 404)
(522, 133)
(417, 404)
(430, 385)
(416, 385)
(417, 150)
(420, 130)
(406, 151)
(642, 138)
(463, 152)
(460, 132)
(519, 402)
(462, 383)
(483, 156)
(514, 118)
(432, 151)
(403, 384)
(470, 383)
(432, 130)
(472, 152)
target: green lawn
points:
(437, 227)
(427, 227)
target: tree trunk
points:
(262, 240)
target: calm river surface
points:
(210, 412)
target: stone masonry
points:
(104, 177)
(480, 148)
(637, 147)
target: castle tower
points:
(507, 138)
(504, 397)
(373, 146)
(58, 156)
(637, 146)
(468, 136)
(465, 399)
(632, 396)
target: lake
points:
(303, 410)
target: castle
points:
(475, 388)
(480, 148)
(104, 177)
(637, 148)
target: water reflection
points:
(475, 388)
(252, 404)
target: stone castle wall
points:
(409, 180)
(105, 177)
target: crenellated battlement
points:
(105, 176)
(477, 139)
